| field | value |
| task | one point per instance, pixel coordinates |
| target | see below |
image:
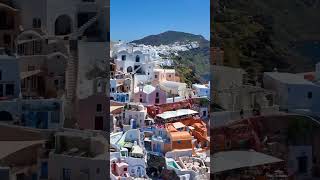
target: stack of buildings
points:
(54, 77)
(156, 116)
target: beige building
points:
(78, 155)
(161, 75)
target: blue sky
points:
(135, 19)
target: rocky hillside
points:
(170, 37)
(192, 65)
(262, 35)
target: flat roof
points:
(178, 113)
(230, 160)
(178, 125)
(183, 135)
(288, 78)
(200, 86)
(9, 147)
(172, 84)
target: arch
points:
(63, 25)
(5, 116)
(129, 69)
(25, 34)
(56, 54)
(137, 58)
(7, 7)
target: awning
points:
(10, 147)
(230, 160)
(113, 108)
(178, 113)
(26, 74)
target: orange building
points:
(179, 137)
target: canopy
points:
(178, 113)
(229, 160)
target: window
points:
(169, 75)
(0, 75)
(137, 58)
(156, 76)
(141, 100)
(123, 153)
(55, 117)
(123, 57)
(66, 174)
(98, 170)
(157, 101)
(179, 142)
(36, 23)
(204, 113)
(9, 89)
(157, 94)
(56, 82)
(99, 107)
(309, 95)
(125, 169)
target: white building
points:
(174, 88)
(35, 113)
(201, 90)
(135, 112)
(78, 155)
(60, 17)
(136, 60)
(136, 166)
(292, 91)
(300, 161)
(9, 77)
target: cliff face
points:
(192, 65)
(262, 35)
(170, 37)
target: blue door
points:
(158, 148)
(42, 120)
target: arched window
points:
(63, 25)
(123, 57)
(137, 58)
(129, 69)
